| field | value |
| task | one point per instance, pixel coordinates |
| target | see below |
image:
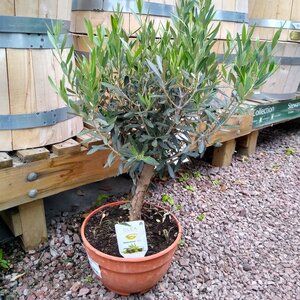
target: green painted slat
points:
(274, 113)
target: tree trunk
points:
(141, 189)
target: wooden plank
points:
(244, 126)
(12, 219)
(56, 174)
(96, 18)
(295, 13)
(5, 135)
(5, 160)
(33, 222)
(21, 93)
(7, 8)
(87, 140)
(48, 9)
(31, 155)
(222, 156)
(67, 147)
(23, 8)
(247, 144)
(64, 9)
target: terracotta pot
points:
(126, 276)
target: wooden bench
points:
(27, 176)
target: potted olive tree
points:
(147, 98)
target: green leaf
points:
(201, 217)
(276, 38)
(171, 171)
(53, 84)
(148, 123)
(89, 29)
(166, 198)
(110, 159)
(190, 188)
(100, 199)
(150, 161)
(139, 4)
(96, 148)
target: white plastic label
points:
(95, 267)
(132, 240)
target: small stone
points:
(53, 253)
(83, 292)
(69, 265)
(109, 296)
(76, 239)
(247, 267)
(25, 292)
(149, 297)
(67, 240)
(94, 290)
(184, 262)
(242, 212)
(47, 255)
(75, 287)
(70, 253)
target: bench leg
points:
(247, 144)
(33, 222)
(222, 156)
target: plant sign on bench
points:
(154, 102)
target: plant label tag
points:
(132, 240)
(95, 267)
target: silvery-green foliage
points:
(148, 95)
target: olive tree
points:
(147, 96)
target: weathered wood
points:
(12, 219)
(287, 78)
(34, 229)
(24, 86)
(5, 135)
(243, 125)
(31, 155)
(87, 140)
(64, 9)
(48, 9)
(22, 8)
(5, 160)
(273, 10)
(222, 156)
(247, 144)
(53, 9)
(67, 147)
(7, 8)
(56, 174)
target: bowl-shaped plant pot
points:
(126, 276)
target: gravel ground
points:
(241, 235)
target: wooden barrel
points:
(31, 114)
(232, 15)
(267, 16)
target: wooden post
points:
(223, 155)
(12, 219)
(247, 144)
(33, 221)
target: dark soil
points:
(161, 229)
